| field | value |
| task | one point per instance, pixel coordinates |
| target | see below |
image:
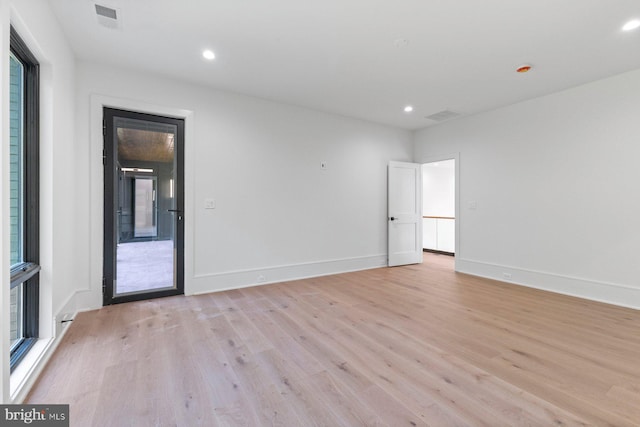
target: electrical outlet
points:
(506, 275)
(262, 278)
(323, 166)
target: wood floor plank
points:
(266, 398)
(246, 330)
(417, 345)
(391, 411)
(489, 389)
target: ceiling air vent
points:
(107, 16)
(443, 115)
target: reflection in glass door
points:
(144, 224)
(144, 200)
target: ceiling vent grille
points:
(107, 12)
(443, 115)
(107, 16)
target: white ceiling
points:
(341, 56)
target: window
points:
(24, 198)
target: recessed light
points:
(408, 109)
(208, 54)
(136, 170)
(631, 25)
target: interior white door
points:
(405, 213)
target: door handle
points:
(178, 211)
(393, 218)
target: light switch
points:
(209, 204)
(473, 205)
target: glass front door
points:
(144, 222)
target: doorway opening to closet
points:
(439, 207)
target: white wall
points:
(277, 213)
(439, 188)
(4, 205)
(33, 21)
(556, 183)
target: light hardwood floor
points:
(405, 346)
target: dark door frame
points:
(110, 207)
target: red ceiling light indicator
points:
(523, 68)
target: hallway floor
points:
(144, 265)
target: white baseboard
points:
(610, 293)
(215, 282)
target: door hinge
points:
(104, 286)
(104, 157)
(104, 128)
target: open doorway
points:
(439, 207)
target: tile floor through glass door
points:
(144, 266)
